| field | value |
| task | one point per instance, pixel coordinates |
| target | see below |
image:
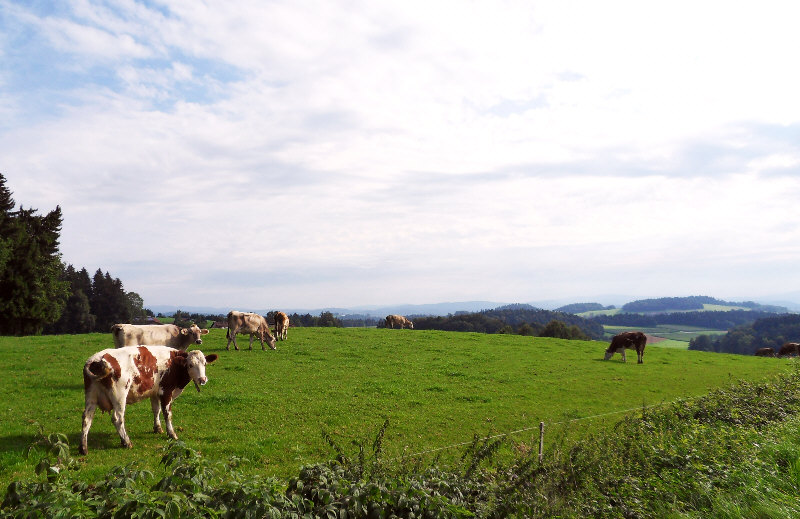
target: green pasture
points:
(436, 389)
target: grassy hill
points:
(436, 388)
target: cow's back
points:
(148, 334)
(245, 322)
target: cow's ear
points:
(211, 358)
(203, 331)
(184, 331)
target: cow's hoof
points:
(127, 445)
(83, 450)
(158, 430)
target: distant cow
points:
(250, 323)
(281, 325)
(399, 321)
(765, 352)
(789, 349)
(113, 378)
(156, 334)
(630, 341)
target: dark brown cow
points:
(630, 341)
(765, 352)
(113, 378)
(789, 349)
(250, 323)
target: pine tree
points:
(108, 301)
(77, 316)
(31, 291)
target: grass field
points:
(436, 388)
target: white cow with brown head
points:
(157, 334)
(114, 378)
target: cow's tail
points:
(97, 369)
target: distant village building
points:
(145, 320)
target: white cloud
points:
(384, 152)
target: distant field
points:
(436, 388)
(676, 335)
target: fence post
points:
(541, 441)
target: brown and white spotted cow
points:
(789, 349)
(765, 352)
(157, 334)
(399, 321)
(281, 325)
(630, 341)
(253, 324)
(113, 378)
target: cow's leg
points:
(156, 405)
(640, 355)
(88, 416)
(166, 406)
(118, 419)
(251, 341)
(623, 355)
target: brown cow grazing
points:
(113, 378)
(789, 349)
(157, 334)
(281, 325)
(765, 352)
(630, 341)
(399, 321)
(253, 324)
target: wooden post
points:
(541, 441)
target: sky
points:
(307, 154)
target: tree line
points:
(38, 293)
(717, 320)
(671, 304)
(515, 319)
(767, 332)
(324, 319)
(96, 304)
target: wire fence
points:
(540, 426)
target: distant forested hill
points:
(767, 332)
(717, 320)
(672, 304)
(579, 308)
(509, 319)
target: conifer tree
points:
(31, 291)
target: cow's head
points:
(411, 325)
(196, 366)
(194, 332)
(270, 339)
(609, 354)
